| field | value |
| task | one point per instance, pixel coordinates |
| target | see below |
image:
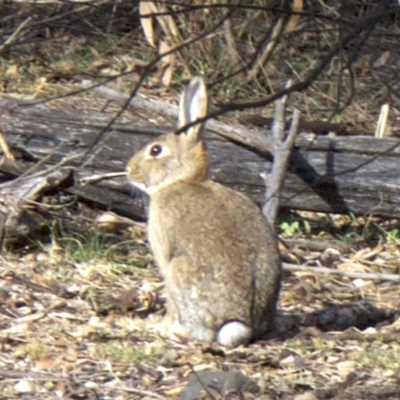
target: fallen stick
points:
(350, 274)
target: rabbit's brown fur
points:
(216, 252)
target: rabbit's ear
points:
(193, 106)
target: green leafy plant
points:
(290, 228)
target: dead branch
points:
(202, 384)
(282, 150)
(315, 245)
(146, 393)
(238, 134)
(16, 218)
(366, 25)
(230, 41)
(171, 32)
(350, 274)
(268, 49)
(15, 34)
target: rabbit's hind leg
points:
(170, 327)
(187, 307)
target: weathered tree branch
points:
(282, 149)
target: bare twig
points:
(15, 34)
(268, 49)
(4, 146)
(350, 274)
(315, 245)
(366, 25)
(206, 389)
(99, 177)
(141, 392)
(380, 130)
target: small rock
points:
(24, 386)
(218, 382)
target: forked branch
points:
(282, 148)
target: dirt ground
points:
(76, 323)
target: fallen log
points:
(357, 174)
(18, 216)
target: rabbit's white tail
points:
(234, 333)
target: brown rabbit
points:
(215, 250)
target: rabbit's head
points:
(175, 157)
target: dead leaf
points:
(147, 22)
(382, 60)
(84, 331)
(346, 367)
(297, 7)
(4, 146)
(305, 396)
(65, 67)
(352, 266)
(45, 364)
(95, 52)
(112, 222)
(60, 388)
(12, 70)
(24, 386)
(70, 354)
(167, 62)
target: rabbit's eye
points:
(155, 150)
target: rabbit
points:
(216, 252)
